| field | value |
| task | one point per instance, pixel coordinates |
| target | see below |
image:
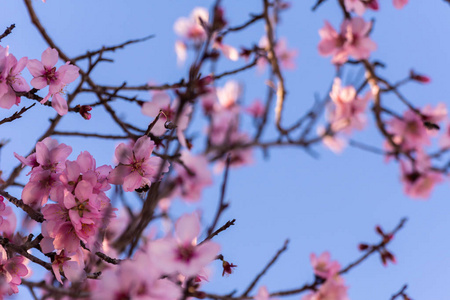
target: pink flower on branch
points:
(166, 110)
(352, 41)
(348, 110)
(419, 178)
(323, 266)
(181, 253)
(46, 74)
(192, 177)
(137, 168)
(10, 79)
(192, 28)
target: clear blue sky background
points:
(332, 203)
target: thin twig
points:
(263, 271)
(111, 48)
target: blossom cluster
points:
(44, 74)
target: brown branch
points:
(253, 19)
(246, 67)
(147, 87)
(110, 48)
(103, 256)
(7, 31)
(17, 114)
(401, 293)
(281, 90)
(60, 291)
(86, 134)
(37, 216)
(222, 204)
(266, 268)
(227, 225)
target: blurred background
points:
(328, 203)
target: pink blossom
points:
(359, 7)
(181, 52)
(47, 163)
(332, 43)
(181, 252)
(8, 219)
(238, 157)
(191, 28)
(136, 166)
(444, 141)
(434, 115)
(190, 184)
(418, 178)
(11, 271)
(323, 266)
(45, 73)
(335, 142)
(352, 41)
(256, 109)
(332, 289)
(348, 111)
(135, 279)
(10, 79)
(229, 94)
(400, 3)
(358, 44)
(161, 102)
(409, 131)
(72, 266)
(228, 51)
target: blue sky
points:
(331, 203)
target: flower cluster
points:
(156, 268)
(44, 74)
(80, 208)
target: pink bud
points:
(84, 111)
(418, 77)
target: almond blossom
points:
(323, 266)
(409, 131)
(162, 105)
(72, 266)
(11, 271)
(352, 41)
(47, 164)
(135, 279)
(348, 111)
(10, 79)
(419, 178)
(256, 109)
(192, 177)
(137, 168)
(46, 74)
(332, 289)
(191, 28)
(181, 253)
